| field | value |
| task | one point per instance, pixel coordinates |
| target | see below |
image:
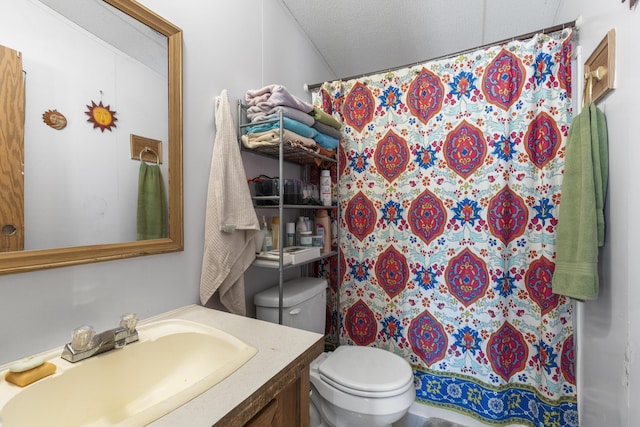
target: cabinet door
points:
(267, 417)
(290, 408)
(11, 151)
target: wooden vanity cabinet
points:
(281, 402)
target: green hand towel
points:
(581, 219)
(152, 206)
(600, 156)
(325, 118)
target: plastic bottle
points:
(275, 232)
(323, 226)
(267, 243)
(300, 227)
(291, 234)
(325, 187)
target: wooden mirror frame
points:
(15, 262)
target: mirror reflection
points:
(88, 89)
(80, 183)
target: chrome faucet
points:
(86, 343)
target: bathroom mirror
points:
(167, 120)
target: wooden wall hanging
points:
(599, 70)
(54, 119)
(101, 116)
(146, 149)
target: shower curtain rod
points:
(559, 27)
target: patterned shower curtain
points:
(449, 180)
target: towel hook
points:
(149, 150)
(598, 74)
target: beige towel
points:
(231, 224)
(272, 138)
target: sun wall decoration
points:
(101, 116)
(54, 119)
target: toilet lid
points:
(366, 369)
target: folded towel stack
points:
(305, 126)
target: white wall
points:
(227, 45)
(608, 328)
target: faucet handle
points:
(81, 338)
(129, 321)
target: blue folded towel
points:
(290, 124)
(326, 141)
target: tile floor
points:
(410, 420)
(414, 420)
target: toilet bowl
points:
(352, 386)
(360, 386)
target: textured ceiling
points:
(362, 36)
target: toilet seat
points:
(366, 372)
(373, 394)
(361, 386)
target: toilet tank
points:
(304, 304)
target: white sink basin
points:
(174, 361)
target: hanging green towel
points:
(152, 206)
(581, 218)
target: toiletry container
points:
(325, 187)
(267, 243)
(292, 191)
(303, 301)
(309, 224)
(323, 221)
(266, 188)
(275, 232)
(301, 226)
(291, 234)
(306, 238)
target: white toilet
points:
(351, 386)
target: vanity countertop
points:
(278, 347)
